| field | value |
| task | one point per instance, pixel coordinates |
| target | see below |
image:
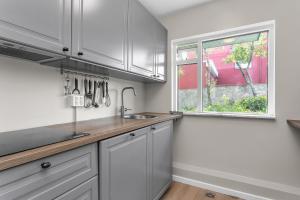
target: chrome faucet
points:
(123, 109)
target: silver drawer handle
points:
(132, 134)
(46, 165)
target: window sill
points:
(232, 115)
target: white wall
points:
(256, 156)
(32, 95)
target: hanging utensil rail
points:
(67, 71)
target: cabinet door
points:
(35, 182)
(85, 191)
(141, 40)
(44, 24)
(100, 31)
(161, 52)
(161, 137)
(124, 171)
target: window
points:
(228, 73)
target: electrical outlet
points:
(76, 100)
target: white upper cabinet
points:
(141, 40)
(43, 24)
(100, 31)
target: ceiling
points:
(164, 7)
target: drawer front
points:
(124, 138)
(67, 170)
(86, 191)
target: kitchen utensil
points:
(103, 92)
(87, 102)
(76, 90)
(67, 85)
(95, 100)
(75, 100)
(99, 94)
(90, 94)
(107, 97)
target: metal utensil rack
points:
(76, 73)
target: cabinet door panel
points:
(161, 159)
(85, 191)
(100, 31)
(44, 24)
(141, 40)
(67, 170)
(124, 170)
(161, 52)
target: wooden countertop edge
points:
(294, 123)
(17, 159)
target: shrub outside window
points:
(228, 73)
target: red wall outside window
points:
(228, 74)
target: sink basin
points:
(139, 117)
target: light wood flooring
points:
(179, 191)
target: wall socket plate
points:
(75, 100)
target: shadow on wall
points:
(114, 93)
(296, 135)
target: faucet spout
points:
(123, 109)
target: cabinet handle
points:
(153, 128)
(65, 49)
(80, 53)
(46, 165)
(132, 134)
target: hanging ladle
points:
(107, 97)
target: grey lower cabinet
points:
(51, 177)
(137, 165)
(43, 24)
(124, 167)
(85, 191)
(161, 158)
(100, 31)
(132, 166)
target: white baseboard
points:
(218, 189)
(232, 184)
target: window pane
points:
(234, 74)
(188, 88)
(186, 52)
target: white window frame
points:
(199, 39)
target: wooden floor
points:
(179, 191)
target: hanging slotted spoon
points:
(107, 97)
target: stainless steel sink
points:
(139, 116)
